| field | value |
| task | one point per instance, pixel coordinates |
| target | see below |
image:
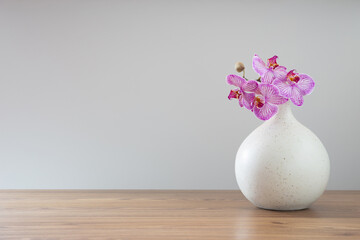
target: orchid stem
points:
(244, 75)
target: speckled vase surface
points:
(282, 165)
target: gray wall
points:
(132, 94)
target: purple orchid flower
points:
(269, 72)
(244, 91)
(266, 99)
(295, 86)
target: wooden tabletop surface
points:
(155, 214)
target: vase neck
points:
(284, 112)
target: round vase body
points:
(282, 165)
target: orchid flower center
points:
(272, 62)
(273, 65)
(293, 77)
(237, 93)
(234, 94)
(259, 103)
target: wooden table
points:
(127, 215)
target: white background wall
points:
(132, 94)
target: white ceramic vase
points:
(282, 165)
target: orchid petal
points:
(284, 87)
(241, 100)
(277, 99)
(235, 80)
(268, 77)
(259, 65)
(250, 86)
(280, 72)
(249, 100)
(268, 90)
(266, 111)
(306, 84)
(296, 96)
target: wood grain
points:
(154, 214)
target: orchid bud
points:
(239, 67)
